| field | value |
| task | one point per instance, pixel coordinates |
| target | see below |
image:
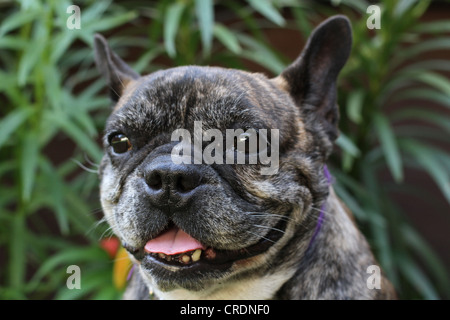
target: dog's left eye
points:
(120, 143)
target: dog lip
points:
(221, 259)
(129, 248)
(171, 241)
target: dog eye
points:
(120, 143)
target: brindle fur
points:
(238, 205)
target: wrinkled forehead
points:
(220, 98)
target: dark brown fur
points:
(237, 207)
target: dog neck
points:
(321, 217)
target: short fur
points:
(235, 208)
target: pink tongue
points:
(173, 241)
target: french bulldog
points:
(198, 229)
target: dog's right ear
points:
(117, 73)
(311, 78)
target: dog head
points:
(201, 224)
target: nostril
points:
(187, 181)
(168, 181)
(154, 180)
(185, 185)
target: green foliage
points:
(383, 72)
(40, 108)
(51, 96)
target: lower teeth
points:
(184, 258)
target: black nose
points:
(170, 185)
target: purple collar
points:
(322, 209)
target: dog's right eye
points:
(120, 143)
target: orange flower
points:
(122, 262)
(122, 267)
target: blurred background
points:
(391, 163)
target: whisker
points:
(260, 237)
(321, 210)
(270, 228)
(115, 92)
(270, 215)
(90, 161)
(109, 231)
(118, 77)
(82, 166)
(98, 210)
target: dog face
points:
(198, 226)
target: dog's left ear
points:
(117, 73)
(311, 79)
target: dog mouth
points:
(173, 247)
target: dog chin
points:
(202, 268)
(198, 281)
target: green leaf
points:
(11, 122)
(18, 19)
(347, 145)
(65, 258)
(406, 78)
(350, 151)
(359, 5)
(79, 136)
(427, 65)
(143, 63)
(351, 202)
(389, 146)
(227, 38)
(415, 241)
(17, 253)
(261, 54)
(431, 162)
(91, 282)
(435, 80)
(171, 22)
(33, 53)
(93, 12)
(355, 102)
(439, 26)
(423, 114)
(28, 163)
(80, 215)
(302, 20)
(53, 84)
(402, 7)
(417, 131)
(267, 9)
(423, 94)
(381, 241)
(410, 53)
(205, 15)
(55, 186)
(107, 24)
(60, 43)
(416, 276)
(85, 121)
(11, 42)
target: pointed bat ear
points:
(117, 73)
(311, 78)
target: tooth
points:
(185, 258)
(210, 253)
(196, 255)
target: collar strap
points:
(322, 209)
